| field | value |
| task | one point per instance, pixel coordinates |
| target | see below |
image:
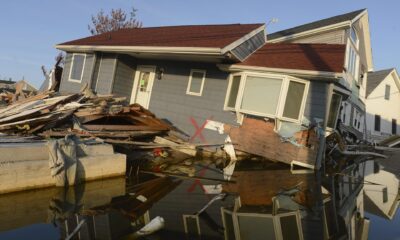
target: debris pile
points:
(84, 114)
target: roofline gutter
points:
(142, 49)
(297, 72)
(311, 32)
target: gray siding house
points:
(194, 75)
(351, 29)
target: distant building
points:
(8, 84)
(11, 85)
(382, 104)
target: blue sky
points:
(31, 28)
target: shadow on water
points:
(263, 200)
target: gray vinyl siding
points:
(124, 76)
(316, 101)
(106, 74)
(170, 101)
(67, 86)
(332, 37)
(249, 46)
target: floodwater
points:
(348, 199)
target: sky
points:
(31, 28)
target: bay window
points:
(261, 95)
(274, 96)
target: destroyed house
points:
(351, 29)
(214, 81)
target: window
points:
(377, 123)
(352, 61)
(233, 91)
(196, 82)
(261, 95)
(353, 36)
(394, 126)
(334, 110)
(387, 92)
(267, 95)
(294, 99)
(385, 195)
(78, 63)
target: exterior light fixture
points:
(159, 73)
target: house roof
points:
(202, 36)
(314, 25)
(375, 78)
(312, 57)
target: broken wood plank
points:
(163, 174)
(105, 127)
(187, 149)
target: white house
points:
(382, 104)
(381, 191)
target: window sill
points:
(193, 94)
(74, 80)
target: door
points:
(144, 78)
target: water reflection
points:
(264, 200)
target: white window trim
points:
(72, 66)
(303, 100)
(351, 39)
(281, 100)
(276, 222)
(329, 129)
(241, 92)
(230, 79)
(188, 92)
(351, 45)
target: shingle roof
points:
(314, 57)
(210, 36)
(315, 25)
(375, 78)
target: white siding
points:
(332, 37)
(387, 109)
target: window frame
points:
(387, 92)
(329, 128)
(72, 66)
(228, 93)
(276, 222)
(377, 116)
(281, 100)
(303, 100)
(394, 126)
(204, 72)
(240, 96)
(356, 43)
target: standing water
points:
(352, 198)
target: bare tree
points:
(115, 20)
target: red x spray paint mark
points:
(198, 133)
(198, 182)
(199, 130)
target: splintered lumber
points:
(106, 127)
(142, 198)
(186, 148)
(163, 174)
(123, 134)
(100, 116)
